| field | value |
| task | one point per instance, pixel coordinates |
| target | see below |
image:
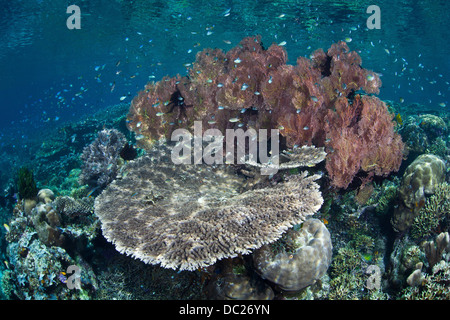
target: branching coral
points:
(311, 103)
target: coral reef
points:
(430, 286)
(304, 257)
(424, 134)
(101, 159)
(433, 125)
(434, 214)
(430, 276)
(238, 287)
(420, 179)
(253, 87)
(38, 246)
(184, 216)
(352, 277)
(362, 138)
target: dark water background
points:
(50, 74)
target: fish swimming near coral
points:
(398, 118)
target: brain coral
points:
(190, 216)
(305, 257)
(421, 178)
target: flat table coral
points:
(190, 216)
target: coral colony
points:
(320, 101)
(229, 187)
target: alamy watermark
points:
(74, 20)
(374, 21)
(74, 280)
(258, 147)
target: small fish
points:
(237, 60)
(244, 86)
(325, 221)
(159, 114)
(227, 41)
(399, 119)
(113, 86)
(370, 77)
(221, 107)
(234, 120)
(219, 85)
(270, 80)
(92, 191)
(211, 122)
(140, 137)
(367, 257)
(387, 51)
(138, 124)
(186, 65)
(305, 128)
(282, 43)
(281, 15)
(401, 100)
(257, 93)
(442, 104)
(117, 63)
(62, 277)
(209, 33)
(6, 227)
(348, 39)
(122, 98)
(313, 98)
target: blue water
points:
(48, 72)
(50, 75)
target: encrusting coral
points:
(186, 216)
(311, 103)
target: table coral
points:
(185, 216)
